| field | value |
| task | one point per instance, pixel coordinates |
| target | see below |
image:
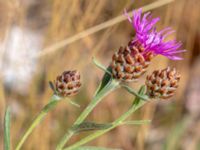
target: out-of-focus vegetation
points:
(30, 29)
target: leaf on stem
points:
(107, 76)
(88, 126)
(130, 90)
(7, 129)
(100, 66)
(136, 122)
(140, 92)
(95, 148)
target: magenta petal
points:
(126, 14)
(151, 39)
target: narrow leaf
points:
(140, 92)
(107, 78)
(88, 126)
(137, 122)
(100, 66)
(130, 90)
(94, 148)
(7, 129)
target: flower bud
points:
(68, 83)
(162, 83)
(128, 64)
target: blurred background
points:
(39, 39)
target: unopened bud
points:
(68, 83)
(162, 83)
(128, 64)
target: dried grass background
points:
(175, 123)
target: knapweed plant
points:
(128, 64)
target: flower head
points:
(162, 83)
(68, 83)
(150, 40)
(127, 67)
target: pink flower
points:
(150, 39)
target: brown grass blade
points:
(57, 46)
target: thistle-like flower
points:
(68, 83)
(128, 67)
(162, 83)
(130, 63)
(150, 40)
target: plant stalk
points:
(97, 98)
(138, 103)
(52, 103)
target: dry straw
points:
(57, 46)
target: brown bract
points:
(162, 83)
(128, 63)
(68, 83)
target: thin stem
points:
(97, 98)
(136, 105)
(52, 103)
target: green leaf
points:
(130, 90)
(7, 129)
(140, 92)
(94, 148)
(107, 78)
(88, 126)
(137, 122)
(100, 66)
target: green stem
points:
(52, 103)
(136, 105)
(97, 98)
